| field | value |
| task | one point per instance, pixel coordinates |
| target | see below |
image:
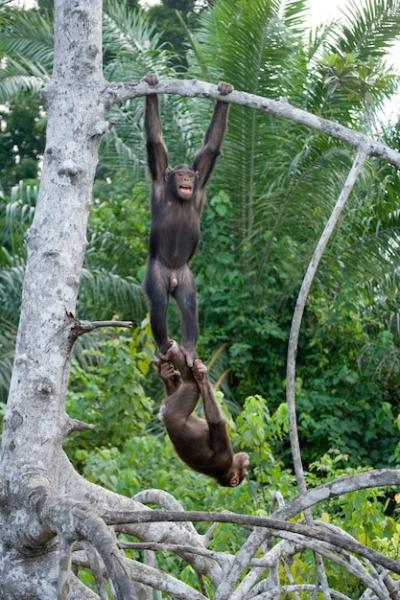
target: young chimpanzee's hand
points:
(166, 371)
(199, 370)
(151, 79)
(225, 88)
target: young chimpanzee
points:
(177, 200)
(202, 444)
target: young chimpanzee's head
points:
(181, 181)
(237, 471)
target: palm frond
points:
(370, 28)
(11, 278)
(16, 215)
(104, 295)
(13, 84)
(26, 43)
(127, 32)
(131, 43)
(7, 343)
(28, 34)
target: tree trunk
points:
(43, 501)
(35, 423)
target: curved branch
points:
(115, 93)
(152, 577)
(299, 310)
(338, 487)
(344, 485)
(351, 179)
(123, 517)
(102, 500)
(346, 562)
(165, 500)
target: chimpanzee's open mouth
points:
(185, 189)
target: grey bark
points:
(119, 92)
(45, 506)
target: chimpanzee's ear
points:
(168, 171)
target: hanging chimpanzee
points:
(203, 445)
(177, 200)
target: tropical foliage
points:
(271, 194)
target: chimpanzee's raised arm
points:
(204, 160)
(157, 157)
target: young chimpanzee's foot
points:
(200, 371)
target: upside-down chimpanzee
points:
(203, 445)
(177, 200)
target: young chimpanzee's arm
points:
(170, 378)
(204, 161)
(156, 151)
(219, 441)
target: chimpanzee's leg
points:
(185, 296)
(156, 286)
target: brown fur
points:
(203, 444)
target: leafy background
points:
(269, 199)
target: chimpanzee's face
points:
(182, 182)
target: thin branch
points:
(299, 310)
(103, 500)
(300, 587)
(120, 92)
(76, 425)
(298, 544)
(346, 562)
(221, 557)
(97, 569)
(351, 179)
(121, 517)
(165, 500)
(149, 576)
(81, 327)
(64, 567)
(344, 485)
(377, 572)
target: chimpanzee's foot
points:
(163, 351)
(200, 371)
(171, 352)
(189, 355)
